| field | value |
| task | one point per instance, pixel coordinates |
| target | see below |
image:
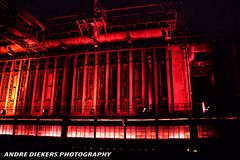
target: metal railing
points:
(102, 110)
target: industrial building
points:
(128, 80)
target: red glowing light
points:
(81, 131)
(173, 132)
(50, 131)
(6, 129)
(145, 132)
(207, 131)
(29, 130)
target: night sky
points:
(202, 16)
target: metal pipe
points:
(85, 40)
(134, 7)
(23, 13)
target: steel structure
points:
(122, 73)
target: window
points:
(6, 129)
(141, 132)
(207, 131)
(51, 131)
(119, 132)
(29, 130)
(116, 132)
(81, 131)
(101, 132)
(173, 132)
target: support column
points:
(169, 79)
(188, 73)
(25, 84)
(84, 83)
(149, 84)
(63, 86)
(131, 111)
(95, 84)
(17, 86)
(53, 86)
(155, 74)
(118, 82)
(179, 79)
(107, 83)
(193, 132)
(3, 75)
(34, 87)
(9, 85)
(44, 85)
(143, 77)
(73, 101)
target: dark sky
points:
(202, 16)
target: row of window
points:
(113, 132)
(31, 130)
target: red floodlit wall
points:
(28, 130)
(111, 132)
(81, 131)
(6, 129)
(206, 131)
(173, 132)
(200, 47)
(116, 132)
(50, 131)
(111, 83)
(143, 132)
(179, 88)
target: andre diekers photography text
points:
(56, 154)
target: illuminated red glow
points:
(132, 132)
(116, 132)
(45, 84)
(49, 131)
(207, 131)
(178, 80)
(111, 132)
(173, 132)
(6, 129)
(76, 41)
(28, 130)
(81, 131)
(143, 132)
